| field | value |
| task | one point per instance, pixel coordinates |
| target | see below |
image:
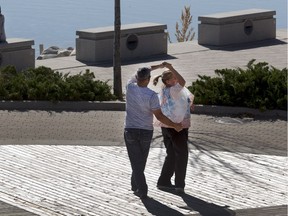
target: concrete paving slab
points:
(75, 163)
(94, 180)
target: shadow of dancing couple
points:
(196, 206)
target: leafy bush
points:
(260, 86)
(43, 83)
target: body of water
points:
(55, 22)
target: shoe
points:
(179, 190)
(134, 189)
(141, 196)
(165, 187)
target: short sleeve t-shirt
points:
(140, 101)
(175, 104)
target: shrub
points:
(186, 32)
(43, 83)
(259, 86)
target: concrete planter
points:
(77, 106)
(62, 105)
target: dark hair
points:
(143, 73)
(166, 75)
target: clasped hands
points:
(165, 64)
(178, 127)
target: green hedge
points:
(258, 86)
(43, 83)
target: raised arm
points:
(154, 67)
(178, 76)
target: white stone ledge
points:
(77, 106)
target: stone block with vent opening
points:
(137, 41)
(236, 27)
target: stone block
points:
(17, 52)
(137, 41)
(236, 27)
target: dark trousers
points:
(138, 143)
(176, 144)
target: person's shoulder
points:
(150, 91)
(131, 84)
(178, 86)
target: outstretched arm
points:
(154, 67)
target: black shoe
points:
(165, 187)
(143, 197)
(140, 195)
(134, 189)
(179, 190)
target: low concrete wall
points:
(62, 105)
(76, 106)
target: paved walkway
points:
(75, 163)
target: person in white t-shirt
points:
(176, 102)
